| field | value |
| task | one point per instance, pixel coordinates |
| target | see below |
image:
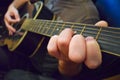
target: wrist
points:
(69, 68)
(17, 4)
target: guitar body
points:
(25, 42)
(33, 34)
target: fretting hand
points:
(72, 50)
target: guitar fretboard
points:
(107, 37)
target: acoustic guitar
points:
(34, 33)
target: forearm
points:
(18, 3)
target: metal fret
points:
(61, 27)
(41, 23)
(83, 29)
(44, 27)
(48, 28)
(51, 27)
(52, 32)
(98, 33)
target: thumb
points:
(101, 23)
(16, 15)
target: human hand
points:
(11, 17)
(72, 50)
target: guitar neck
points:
(107, 37)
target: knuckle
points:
(63, 42)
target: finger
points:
(52, 47)
(64, 40)
(10, 32)
(77, 49)
(102, 24)
(10, 28)
(8, 18)
(93, 56)
(17, 16)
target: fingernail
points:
(89, 38)
(18, 19)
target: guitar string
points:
(88, 32)
(40, 24)
(57, 25)
(79, 25)
(94, 29)
(92, 33)
(82, 27)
